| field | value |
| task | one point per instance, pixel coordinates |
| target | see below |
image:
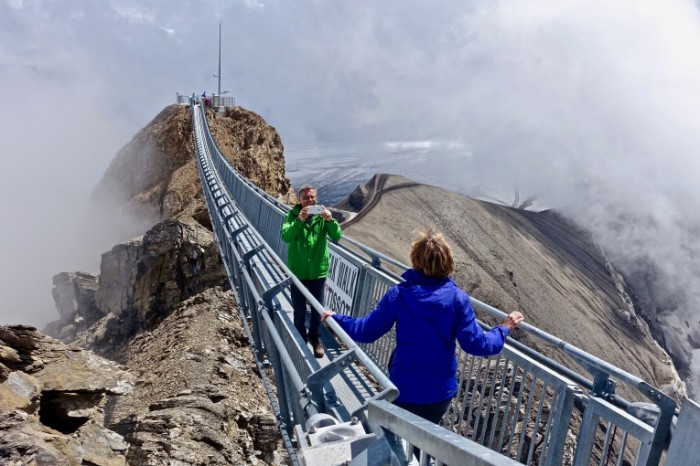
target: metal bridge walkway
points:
(518, 407)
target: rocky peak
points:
(155, 177)
(254, 148)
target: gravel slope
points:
(535, 262)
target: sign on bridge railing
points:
(341, 284)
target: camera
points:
(314, 209)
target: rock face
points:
(535, 262)
(172, 261)
(254, 148)
(140, 282)
(74, 295)
(52, 399)
(358, 198)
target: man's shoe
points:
(318, 349)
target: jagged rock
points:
(173, 260)
(9, 355)
(68, 370)
(187, 428)
(139, 282)
(358, 198)
(361, 195)
(141, 171)
(25, 441)
(20, 339)
(19, 391)
(118, 275)
(74, 293)
(50, 402)
(102, 446)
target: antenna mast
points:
(219, 75)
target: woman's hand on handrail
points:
(513, 320)
(327, 313)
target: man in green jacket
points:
(307, 257)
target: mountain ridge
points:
(537, 262)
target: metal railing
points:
(519, 403)
(223, 101)
(399, 430)
(213, 101)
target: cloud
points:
(16, 4)
(168, 31)
(135, 14)
(255, 4)
(595, 109)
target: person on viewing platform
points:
(431, 313)
(307, 257)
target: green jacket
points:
(307, 256)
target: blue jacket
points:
(430, 314)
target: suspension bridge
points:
(518, 407)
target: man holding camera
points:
(306, 229)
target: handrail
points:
(451, 448)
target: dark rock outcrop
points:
(359, 196)
(51, 402)
(140, 281)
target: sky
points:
(591, 106)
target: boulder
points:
(74, 295)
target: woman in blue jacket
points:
(431, 314)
